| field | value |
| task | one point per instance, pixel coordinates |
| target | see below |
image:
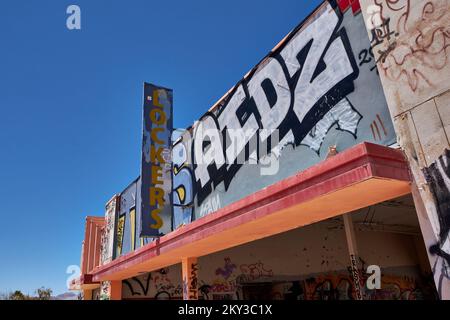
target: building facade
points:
(326, 158)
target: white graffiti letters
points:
(237, 139)
(314, 83)
(280, 102)
(206, 132)
(271, 115)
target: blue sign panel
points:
(156, 164)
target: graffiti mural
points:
(163, 284)
(290, 92)
(235, 281)
(307, 94)
(438, 177)
(339, 286)
(228, 280)
(310, 94)
(224, 283)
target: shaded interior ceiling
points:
(397, 215)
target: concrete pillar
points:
(353, 253)
(417, 91)
(189, 267)
(116, 290)
(87, 294)
(442, 283)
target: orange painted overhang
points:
(355, 178)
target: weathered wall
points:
(306, 263)
(411, 42)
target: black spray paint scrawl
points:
(438, 177)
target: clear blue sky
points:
(70, 102)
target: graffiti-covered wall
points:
(161, 284)
(411, 43)
(438, 177)
(316, 92)
(309, 263)
(128, 220)
(317, 89)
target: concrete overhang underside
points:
(358, 177)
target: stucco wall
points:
(410, 40)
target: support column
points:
(420, 115)
(442, 283)
(353, 252)
(116, 290)
(87, 294)
(189, 267)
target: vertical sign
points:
(156, 164)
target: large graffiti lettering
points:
(306, 96)
(183, 194)
(291, 91)
(438, 176)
